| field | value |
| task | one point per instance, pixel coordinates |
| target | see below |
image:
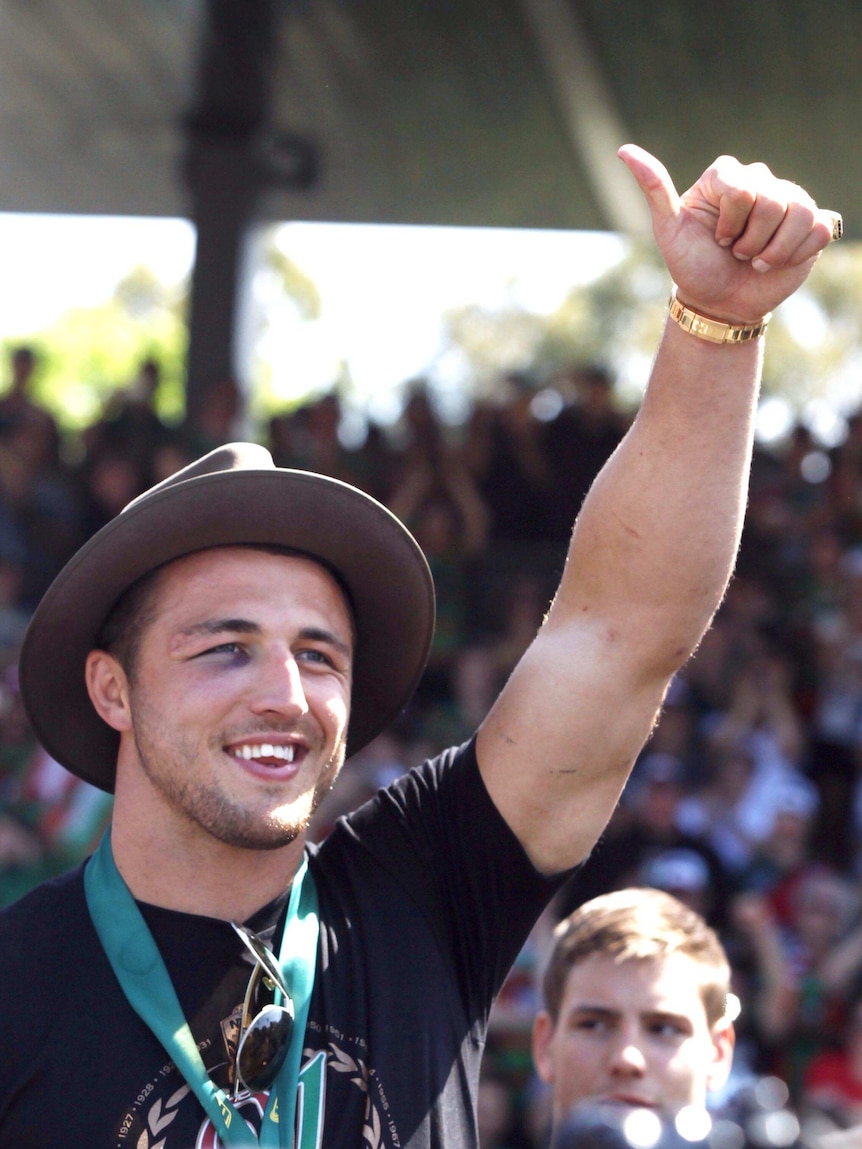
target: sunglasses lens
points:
(264, 1047)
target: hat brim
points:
(379, 562)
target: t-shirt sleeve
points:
(438, 834)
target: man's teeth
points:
(265, 750)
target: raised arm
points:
(655, 541)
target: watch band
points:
(713, 330)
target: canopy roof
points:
(504, 113)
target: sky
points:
(383, 289)
(54, 262)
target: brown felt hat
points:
(234, 495)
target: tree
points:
(813, 353)
(88, 352)
(614, 320)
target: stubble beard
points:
(209, 806)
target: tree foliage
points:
(813, 353)
(90, 352)
(613, 320)
(295, 284)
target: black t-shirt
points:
(426, 898)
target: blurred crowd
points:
(747, 800)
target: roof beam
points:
(587, 108)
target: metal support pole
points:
(230, 114)
(225, 190)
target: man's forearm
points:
(656, 539)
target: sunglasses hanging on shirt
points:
(264, 1039)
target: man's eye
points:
(222, 648)
(667, 1029)
(588, 1024)
(317, 656)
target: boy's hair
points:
(637, 923)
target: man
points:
(17, 406)
(212, 654)
(635, 1006)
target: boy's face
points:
(633, 1033)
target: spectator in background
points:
(129, 421)
(310, 437)
(645, 832)
(833, 1080)
(438, 500)
(785, 849)
(805, 943)
(578, 442)
(636, 993)
(846, 482)
(510, 466)
(836, 711)
(49, 819)
(17, 405)
(712, 811)
(110, 478)
(510, 618)
(762, 720)
(37, 499)
(497, 1115)
(13, 614)
(217, 420)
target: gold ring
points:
(837, 224)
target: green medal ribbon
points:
(145, 981)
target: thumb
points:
(654, 181)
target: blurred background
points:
(394, 244)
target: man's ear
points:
(543, 1031)
(723, 1041)
(108, 688)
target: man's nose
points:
(279, 689)
(627, 1057)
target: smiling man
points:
(248, 655)
(213, 654)
(636, 1006)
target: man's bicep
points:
(558, 745)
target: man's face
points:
(239, 701)
(633, 1033)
